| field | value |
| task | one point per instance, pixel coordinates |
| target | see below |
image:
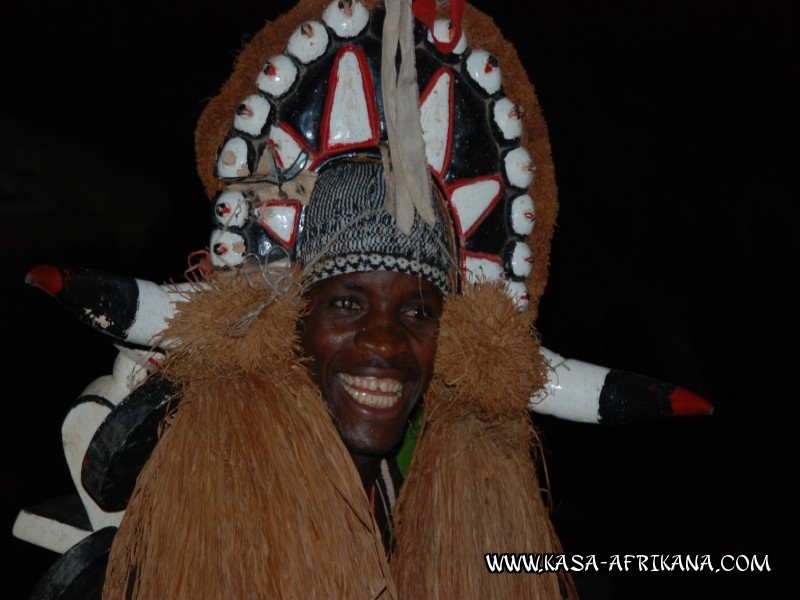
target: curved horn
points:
(587, 393)
(128, 309)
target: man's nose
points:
(383, 335)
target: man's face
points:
(371, 338)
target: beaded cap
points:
(348, 230)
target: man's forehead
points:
(378, 282)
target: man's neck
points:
(368, 467)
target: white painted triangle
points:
(280, 220)
(436, 117)
(286, 148)
(349, 119)
(472, 201)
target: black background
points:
(674, 133)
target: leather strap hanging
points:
(408, 176)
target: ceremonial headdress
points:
(321, 97)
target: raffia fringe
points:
(472, 487)
(250, 492)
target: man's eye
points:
(419, 312)
(345, 303)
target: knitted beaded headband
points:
(348, 230)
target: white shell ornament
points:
(521, 260)
(251, 116)
(485, 70)
(519, 167)
(508, 118)
(277, 76)
(443, 32)
(230, 209)
(227, 248)
(518, 292)
(308, 42)
(347, 18)
(232, 161)
(523, 214)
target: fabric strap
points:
(408, 177)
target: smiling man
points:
(373, 318)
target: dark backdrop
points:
(674, 133)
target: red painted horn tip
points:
(45, 277)
(686, 403)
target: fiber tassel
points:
(472, 488)
(249, 493)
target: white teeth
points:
(360, 389)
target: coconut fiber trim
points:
(472, 486)
(241, 322)
(250, 492)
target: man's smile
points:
(377, 392)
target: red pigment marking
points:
(45, 277)
(687, 403)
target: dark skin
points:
(371, 338)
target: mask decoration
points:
(442, 153)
